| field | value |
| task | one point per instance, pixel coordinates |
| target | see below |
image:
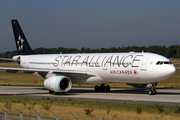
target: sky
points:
(91, 23)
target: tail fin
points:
(170, 56)
(22, 44)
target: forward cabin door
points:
(144, 64)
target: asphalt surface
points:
(167, 97)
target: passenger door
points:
(144, 64)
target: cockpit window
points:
(166, 62)
(163, 62)
(158, 63)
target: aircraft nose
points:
(171, 70)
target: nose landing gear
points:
(152, 90)
(102, 88)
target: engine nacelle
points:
(58, 83)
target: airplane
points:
(61, 70)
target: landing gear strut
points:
(102, 88)
(152, 90)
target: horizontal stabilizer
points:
(9, 59)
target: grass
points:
(18, 78)
(22, 79)
(176, 62)
(123, 111)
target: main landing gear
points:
(152, 90)
(102, 88)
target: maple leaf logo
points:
(135, 72)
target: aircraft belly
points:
(91, 80)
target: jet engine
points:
(58, 83)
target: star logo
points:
(20, 42)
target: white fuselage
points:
(108, 67)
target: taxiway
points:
(167, 97)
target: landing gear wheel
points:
(154, 92)
(150, 92)
(96, 88)
(102, 88)
(107, 88)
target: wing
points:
(72, 74)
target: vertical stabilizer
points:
(22, 44)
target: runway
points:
(167, 97)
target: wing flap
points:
(11, 71)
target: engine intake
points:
(58, 83)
